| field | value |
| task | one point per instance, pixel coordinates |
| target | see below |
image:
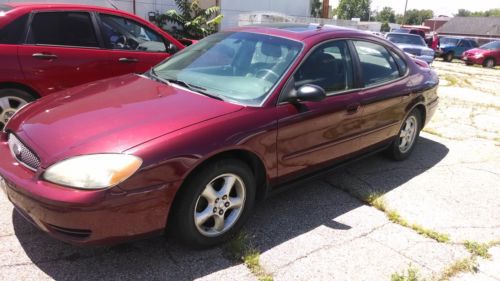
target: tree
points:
(348, 9)
(387, 14)
(316, 7)
(417, 17)
(487, 13)
(194, 22)
(385, 27)
(463, 13)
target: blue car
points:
(450, 47)
(413, 45)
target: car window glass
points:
(124, 34)
(401, 63)
(329, 67)
(13, 32)
(63, 28)
(377, 65)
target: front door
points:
(133, 44)
(312, 134)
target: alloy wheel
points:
(8, 106)
(408, 134)
(220, 205)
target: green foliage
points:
(410, 275)
(386, 15)
(316, 7)
(348, 9)
(385, 27)
(417, 17)
(478, 249)
(194, 21)
(240, 248)
(487, 13)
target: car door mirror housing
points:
(307, 92)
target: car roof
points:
(403, 34)
(297, 32)
(61, 6)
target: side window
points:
(13, 32)
(63, 28)
(329, 66)
(124, 34)
(377, 65)
(401, 63)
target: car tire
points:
(205, 216)
(448, 57)
(407, 137)
(489, 63)
(469, 63)
(11, 100)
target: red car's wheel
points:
(214, 203)
(489, 63)
(404, 143)
(11, 100)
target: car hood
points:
(476, 51)
(417, 47)
(110, 116)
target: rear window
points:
(13, 32)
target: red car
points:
(45, 48)
(193, 143)
(488, 55)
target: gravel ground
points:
(318, 230)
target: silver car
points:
(413, 45)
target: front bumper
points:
(84, 217)
(473, 59)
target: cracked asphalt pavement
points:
(314, 231)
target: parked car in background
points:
(412, 44)
(450, 47)
(488, 55)
(191, 144)
(418, 32)
(45, 48)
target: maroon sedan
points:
(191, 144)
(46, 48)
(488, 55)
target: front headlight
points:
(95, 171)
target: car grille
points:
(23, 154)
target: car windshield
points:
(495, 45)
(406, 39)
(236, 66)
(448, 41)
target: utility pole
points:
(326, 9)
(404, 14)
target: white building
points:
(231, 9)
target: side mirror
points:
(308, 92)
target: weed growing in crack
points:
(478, 249)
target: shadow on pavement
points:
(276, 220)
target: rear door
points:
(62, 50)
(132, 44)
(387, 91)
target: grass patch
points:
(451, 79)
(459, 266)
(240, 248)
(378, 202)
(411, 274)
(478, 249)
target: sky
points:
(440, 7)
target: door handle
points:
(44, 56)
(128, 60)
(352, 108)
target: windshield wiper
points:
(194, 88)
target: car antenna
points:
(320, 26)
